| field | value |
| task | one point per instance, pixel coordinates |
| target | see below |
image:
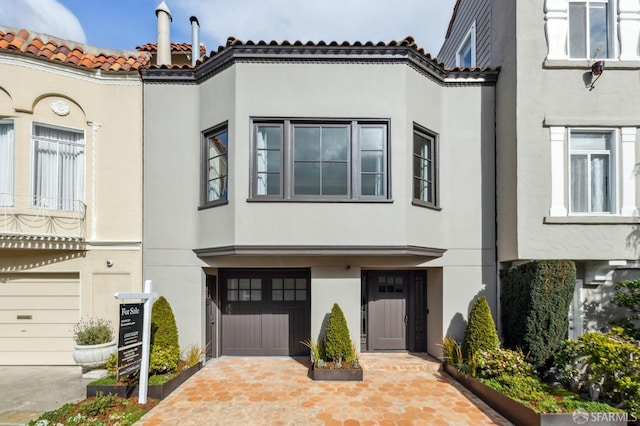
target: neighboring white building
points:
(70, 190)
(566, 135)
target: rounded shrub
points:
(337, 342)
(165, 349)
(481, 334)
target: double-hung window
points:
(332, 160)
(591, 171)
(425, 188)
(58, 168)
(7, 161)
(215, 171)
(591, 29)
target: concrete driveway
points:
(27, 392)
(398, 389)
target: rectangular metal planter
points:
(337, 374)
(155, 391)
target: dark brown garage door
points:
(265, 312)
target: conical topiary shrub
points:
(481, 331)
(337, 342)
(165, 349)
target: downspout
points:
(195, 40)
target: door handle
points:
(406, 319)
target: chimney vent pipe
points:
(164, 38)
(195, 40)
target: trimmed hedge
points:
(535, 300)
(481, 334)
(337, 342)
(165, 349)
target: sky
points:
(125, 24)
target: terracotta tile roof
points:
(69, 52)
(175, 48)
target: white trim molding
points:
(628, 175)
(629, 29)
(558, 142)
(556, 28)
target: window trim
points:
(32, 172)
(354, 194)
(435, 150)
(10, 199)
(470, 37)
(612, 34)
(614, 185)
(204, 158)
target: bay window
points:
(58, 168)
(320, 160)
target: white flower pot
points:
(94, 355)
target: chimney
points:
(195, 40)
(164, 40)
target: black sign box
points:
(131, 315)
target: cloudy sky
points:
(125, 24)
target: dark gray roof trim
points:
(319, 53)
(269, 250)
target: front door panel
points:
(388, 311)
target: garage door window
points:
(244, 290)
(288, 289)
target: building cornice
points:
(319, 250)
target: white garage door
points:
(37, 314)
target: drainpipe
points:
(164, 40)
(195, 40)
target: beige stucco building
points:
(70, 190)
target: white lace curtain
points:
(6, 163)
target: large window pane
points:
(600, 183)
(579, 183)
(599, 30)
(577, 30)
(334, 179)
(334, 143)
(58, 168)
(306, 143)
(307, 178)
(7, 162)
(217, 169)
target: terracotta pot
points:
(94, 355)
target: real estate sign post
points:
(130, 335)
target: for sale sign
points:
(130, 339)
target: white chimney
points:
(195, 40)
(164, 39)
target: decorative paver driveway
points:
(398, 389)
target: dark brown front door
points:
(265, 312)
(394, 310)
(211, 309)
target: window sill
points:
(591, 220)
(327, 201)
(585, 64)
(213, 204)
(420, 203)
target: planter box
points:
(512, 410)
(155, 391)
(337, 374)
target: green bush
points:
(163, 360)
(164, 331)
(628, 297)
(535, 301)
(608, 362)
(481, 334)
(165, 350)
(337, 342)
(495, 362)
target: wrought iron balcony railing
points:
(33, 216)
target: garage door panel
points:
(68, 316)
(40, 302)
(36, 330)
(28, 288)
(43, 344)
(270, 322)
(36, 358)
